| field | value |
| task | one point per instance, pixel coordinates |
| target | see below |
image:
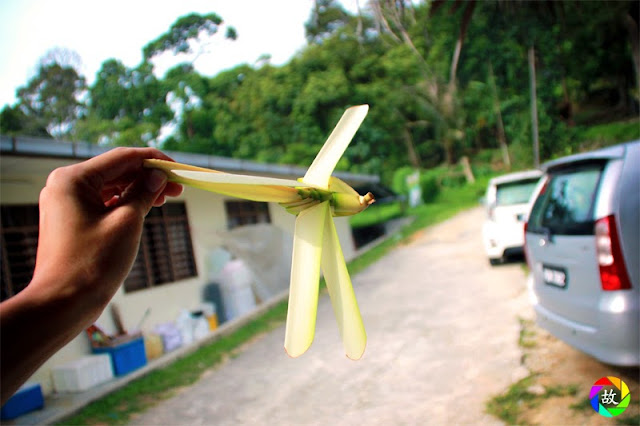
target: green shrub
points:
(430, 188)
(482, 170)
(610, 133)
(399, 184)
(453, 181)
(486, 156)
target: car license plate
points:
(554, 276)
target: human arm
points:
(91, 217)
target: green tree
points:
(327, 17)
(425, 70)
(52, 99)
(437, 111)
(184, 32)
(127, 106)
(15, 122)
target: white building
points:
(171, 269)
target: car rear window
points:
(515, 192)
(566, 203)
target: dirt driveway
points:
(443, 337)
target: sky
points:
(119, 29)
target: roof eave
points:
(49, 148)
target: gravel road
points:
(442, 330)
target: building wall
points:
(21, 182)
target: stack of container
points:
(82, 374)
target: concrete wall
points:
(20, 183)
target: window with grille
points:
(246, 213)
(19, 233)
(166, 251)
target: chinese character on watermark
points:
(608, 398)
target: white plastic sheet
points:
(266, 251)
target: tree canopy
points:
(444, 79)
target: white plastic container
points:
(171, 337)
(200, 328)
(236, 289)
(83, 373)
(207, 308)
(185, 325)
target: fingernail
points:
(155, 180)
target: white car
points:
(507, 204)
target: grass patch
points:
(561, 390)
(527, 335)
(447, 204)
(627, 418)
(611, 133)
(631, 420)
(582, 405)
(119, 406)
(507, 406)
(377, 213)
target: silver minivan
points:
(582, 245)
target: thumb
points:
(144, 191)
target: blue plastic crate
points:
(28, 398)
(125, 357)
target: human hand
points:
(91, 217)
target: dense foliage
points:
(443, 78)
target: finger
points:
(143, 193)
(113, 201)
(173, 189)
(111, 194)
(159, 201)
(108, 192)
(118, 166)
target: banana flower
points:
(314, 199)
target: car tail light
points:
(613, 273)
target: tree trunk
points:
(466, 19)
(466, 168)
(567, 108)
(502, 139)
(414, 159)
(190, 130)
(448, 150)
(534, 107)
(634, 37)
